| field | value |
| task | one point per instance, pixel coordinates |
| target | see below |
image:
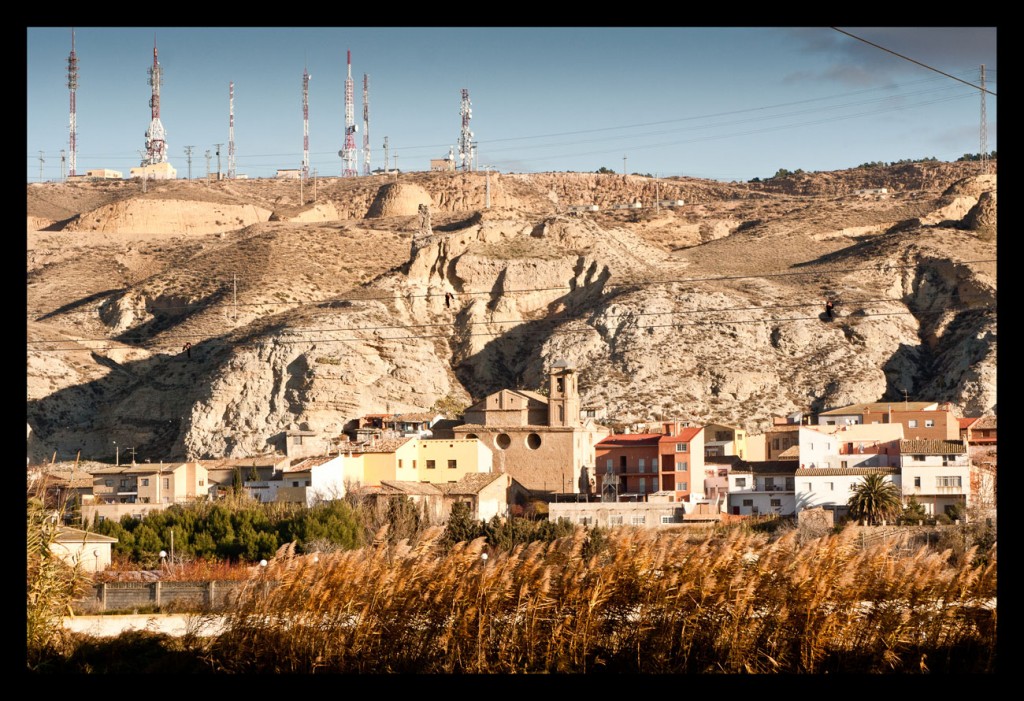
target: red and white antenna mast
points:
(305, 123)
(348, 153)
(73, 87)
(366, 124)
(231, 130)
(156, 142)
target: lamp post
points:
(117, 455)
(163, 554)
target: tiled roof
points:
(932, 447)
(305, 464)
(988, 422)
(472, 483)
(384, 445)
(630, 439)
(792, 452)
(967, 421)
(421, 488)
(73, 535)
(415, 417)
(840, 471)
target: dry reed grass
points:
(649, 602)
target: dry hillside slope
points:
(311, 312)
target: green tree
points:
(874, 499)
(913, 512)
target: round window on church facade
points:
(502, 441)
(533, 441)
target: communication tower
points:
(231, 130)
(73, 87)
(466, 145)
(349, 156)
(366, 124)
(305, 123)
(156, 142)
(984, 125)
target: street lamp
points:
(117, 455)
(163, 554)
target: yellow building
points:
(407, 459)
(154, 171)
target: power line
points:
(905, 58)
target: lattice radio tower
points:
(231, 130)
(466, 145)
(305, 123)
(156, 142)
(366, 124)
(984, 125)
(73, 87)
(349, 155)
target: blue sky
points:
(729, 103)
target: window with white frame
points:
(948, 481)
(741, 481)
(748, 502)
(776, 503)
(145, 481)
(917, 458)
(638, 519)
(929, 423)
(586, 520)
(668, 518)
(681, 465)
(680, 486)
(615, 520)
(912, 423)
(680, 447)
(917, 480)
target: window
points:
(502, 441)
(949, 458)
(295, 483)
(769, 484)
(748, 502)
(951, 481)
(609, 464)
(167, 482)
(430, 465)
(776, 502)
(399, 463)
(830, 486)
(586, 520)
(452, 464)
(643, 467)
(741, 481)
(615, 520)
(680, 486)
(775, 444)
(414, 464)
(807, 486)
(145, 481)
(917, 458)
(561, 414)
(680, 447)
(844, 464)
(667, 518)
(680, 466)
(296, 440)
(654, 464)
(643, 485)
(638, 520)
(533, 441)
(912, 423)
(622, 462)
(789, 484)
(929, 423)
(202, 483)
(108, 483)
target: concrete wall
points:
(184, 596)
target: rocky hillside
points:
(312, 304)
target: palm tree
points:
(875, 500)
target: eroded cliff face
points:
(709, 314)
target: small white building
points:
(831, 488)
(90, 551)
